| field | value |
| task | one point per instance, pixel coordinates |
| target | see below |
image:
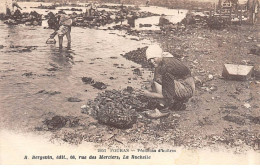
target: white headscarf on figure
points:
(155, 51)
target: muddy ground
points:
(221, 113)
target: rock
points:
(198, 81)
(92, 127)
(176, 115)
(240, 120)
(247, 105)
(83, 109)
(49, 92)
(112, 78)
(121, 139)
(87, 80)
(206, 89)
(257, 75)
(196, 61)
(107, 137)
(28, 23)
(230, 107)
(210, 77)
(35, 23)
(74, 99)
(27, 74)
(257, 144)
(255, 50)
(1, 46)
(55, 123)
(238, 142)
(137, 72)
(58, 122)
(213, 88)
(145, 25)
(255, 120)
(52, 69)
(205, 121)
(11, 22)
(129, 89)
(99, 85)
(88, 110)
(237, 72)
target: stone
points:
(87, 80)
(83, 109)
(137, 71)
(55, 123)
(237, 72)
(99, 85)
(247, 105)
(240, 120)
(210, 77)
(198, 81)
(238, 142)
(255, 50)
(28, 23)
(74, 99)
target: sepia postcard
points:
(129, 82)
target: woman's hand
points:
(147, 93)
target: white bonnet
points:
(153, 51)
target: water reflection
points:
(63, 57)
(13, 35)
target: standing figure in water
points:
(65, 23)
(147, 2)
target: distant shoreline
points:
(175, 4)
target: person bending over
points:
(173, 84)
(10, 4)
(65, 23)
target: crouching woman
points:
(172, 83)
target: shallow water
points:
(89, 56)
(94, 53)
